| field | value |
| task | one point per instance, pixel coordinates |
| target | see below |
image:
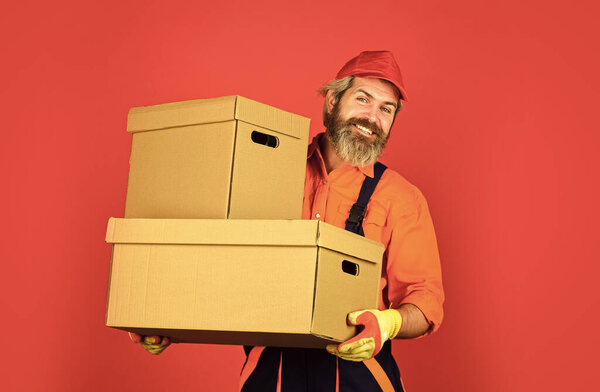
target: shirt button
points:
(317, 216)
(324, 182)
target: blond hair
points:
(338, 87)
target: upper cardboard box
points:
(212, 110)
(217, 158)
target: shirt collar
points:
(368, 170)
(314, 147)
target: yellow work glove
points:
(153, 344)
(379, 326)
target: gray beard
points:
(353, 148)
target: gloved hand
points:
(153, 344)
(379, 326)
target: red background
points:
(500, 133)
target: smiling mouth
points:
(364, 130)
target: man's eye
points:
(386, 109)
(362, 99)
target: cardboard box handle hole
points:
(264, 139)
(350, 267)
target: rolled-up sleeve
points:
(413, 265)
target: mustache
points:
(363, 122)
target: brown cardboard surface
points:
(177, 114)
(265, 174)
(172, 172)
(256, 113)
(237, 281)
(337, 293)
(212, 110)
(238, 338)
(202, 159)
(216, 232)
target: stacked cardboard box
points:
(227, 157)
(181, 269)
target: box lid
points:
(242, 232)
(203, 111)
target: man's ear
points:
(330, 101)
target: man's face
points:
(360, 123)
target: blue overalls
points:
(275, 369)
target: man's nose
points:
(372, 113)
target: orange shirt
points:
(397, 216)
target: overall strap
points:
(357, 212)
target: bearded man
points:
(346, 187)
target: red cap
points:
(375, 64)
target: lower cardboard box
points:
(287, 283)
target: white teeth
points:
(366, 130)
